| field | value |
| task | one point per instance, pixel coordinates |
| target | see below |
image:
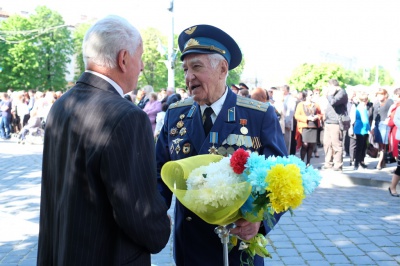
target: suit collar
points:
(97, 82)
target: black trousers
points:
(361, 147)
(352, 148)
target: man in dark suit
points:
(99, 198)
(172, 97)
(237, 122)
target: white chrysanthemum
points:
(216, 182)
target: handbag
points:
(389, 158)
(372, 151)
(344, 122)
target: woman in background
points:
(361, 129)
(380, 128)
(308, 116)
(152, 108)
(396, 176)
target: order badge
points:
(244, 129)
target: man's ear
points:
(122, 60)
(224, 68)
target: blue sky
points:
(274, 35)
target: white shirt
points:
(112, 82)
(289, 104)
(217, 106)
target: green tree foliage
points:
(78, 35)
(310, 76)
(155, 72)
(35, 52)
(179, 74)
(234, 74)
(384, 77)
(55, 49)
(17, 56)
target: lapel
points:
(224, 125)
(195, 127)
(97, 82)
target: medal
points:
(178, 148)
(180, 124)
(182, 131)
(173, 132)
(213, 139)
(186, 148)
(240, 141)
(213, 150)
(222, 151)
(231, 140)
(230, 150)
(247, 142)
(176, 141)
(244, 129)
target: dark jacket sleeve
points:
(339, 98)
(162, 156)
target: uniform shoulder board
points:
(252, 104)
(181, 103)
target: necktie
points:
(207, 120)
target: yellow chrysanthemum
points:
(284, 187)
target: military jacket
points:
(241, 123)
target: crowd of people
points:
(308, 118)
(24, 111)
(319, 114)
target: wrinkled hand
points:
(245, 229)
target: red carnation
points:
(238, 160)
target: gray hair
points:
(106, 38)
(148, 89)
(215, 59)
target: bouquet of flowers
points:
(221, 190)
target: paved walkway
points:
(349, 220)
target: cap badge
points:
(192, 42)
(190, 30)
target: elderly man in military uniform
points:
(213, 120)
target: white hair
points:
(215, 59)
(148, 89)
(171, 89)
(106, 38)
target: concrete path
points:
(349, 220)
